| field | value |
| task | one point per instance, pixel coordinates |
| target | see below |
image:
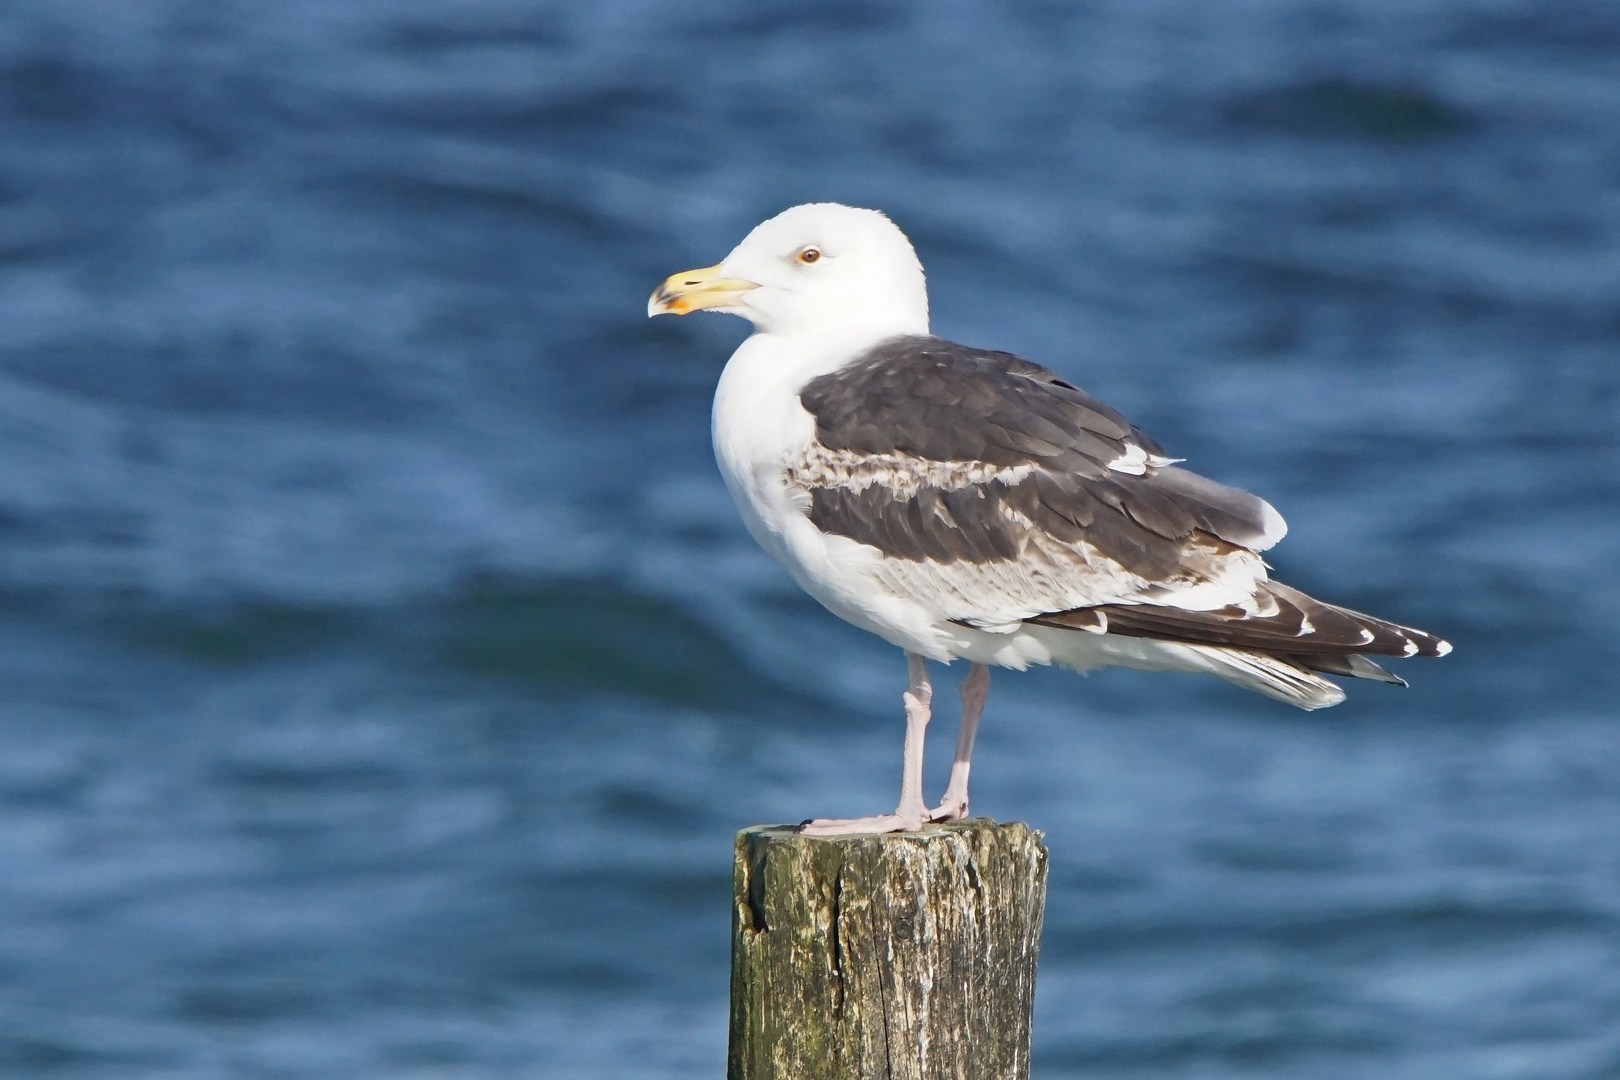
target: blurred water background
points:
(385, 669)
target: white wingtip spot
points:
(1442, 648)
(1366, 635)
(1411, 648)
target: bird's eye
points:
(809, 255)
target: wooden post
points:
(907, 956)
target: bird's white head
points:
(822, 269)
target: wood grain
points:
(908, 956)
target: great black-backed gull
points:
(960, 502)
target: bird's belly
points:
(759, 425)
(838, 572)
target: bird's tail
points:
(1272, 676)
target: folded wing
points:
(998, 493)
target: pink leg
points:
(912, 813)
(975, 688)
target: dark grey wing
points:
(934, 399)
(948, 452)
(1000, 493)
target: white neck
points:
(801, 356)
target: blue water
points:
(349, 502)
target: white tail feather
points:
(1270, 676)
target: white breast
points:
(759, 426)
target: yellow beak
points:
(695, 290)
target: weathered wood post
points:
(908, 956)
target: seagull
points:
(964, 503)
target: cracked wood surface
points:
(906, 956)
